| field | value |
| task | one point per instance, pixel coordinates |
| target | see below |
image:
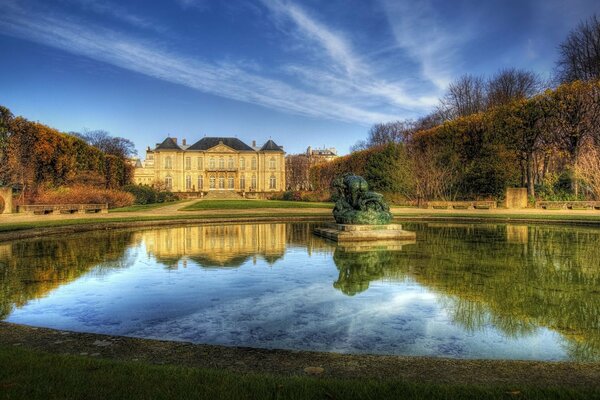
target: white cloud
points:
(152, 59)
(421, 34)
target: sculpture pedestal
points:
(364, 233)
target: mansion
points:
(213, 164)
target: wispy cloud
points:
(421, 34)
(153, 59)
(350, 74)
(117, 12)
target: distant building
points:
(321, 155)
(213, 164)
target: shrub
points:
(148, 195)
(81, 194)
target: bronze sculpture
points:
(355, 204)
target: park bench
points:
(568, 205)
(462, 205)
(44, 209)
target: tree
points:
(521, 125)
(297, 168)
(385, 133)
(116, 146)
(464, 97)
(576, 118)
(512, 84)
(6, 118)
(588, 168)
(579, 54)
(389, 170)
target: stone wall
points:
(6, 203)
(516, 198)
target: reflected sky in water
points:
(463, 291)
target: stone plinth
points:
(365, 233)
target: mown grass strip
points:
(252, 204)
(143, 207)
(28, 374)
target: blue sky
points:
(302, 72)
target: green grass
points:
(252, 204)
(501, 217)
(143, 207)
(27, 374)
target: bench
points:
(568, 205)
(45, 209)
(462, 205)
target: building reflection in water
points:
(215, 245)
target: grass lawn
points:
(143, 207)
(27, 374)
(252, 204)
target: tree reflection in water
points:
(516, 279)
(30, 269)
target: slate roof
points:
(271, 146)
(208, 142)
(168, 144)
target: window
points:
(211, 182)
(230, 183)
(169, 182)
(200, 183)
(211, 163)
(253, 184)
(273, 182)
(230, 162)
(242, 182)
(272, 163)
(221, 163)
(254, 163)
(188, 163)
(199, 161)
(242, 163)
(188, 182)
(168, 162)
(221, 183)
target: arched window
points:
(230, 162)
(230, 182)
(221, 163)
(188, 182)
(211, 163)
(200, 183)
(221, 182)
(243, 182)
(169, 182)
(254, 163)
(168, 162)
(273, 182)
(188, 163)
(272, 163)
(211, 182)
(253, 184)
(242, 163)
(199, 161)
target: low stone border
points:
(290, 363)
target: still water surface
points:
(463, 291)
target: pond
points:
(461, 290)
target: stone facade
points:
(213, 164)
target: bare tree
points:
(587, 168)
(465, 96)
(385, 133)
(102, 140)
(297, 171)
(579, 57)
(512, 84)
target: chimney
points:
(254, 143)
(183, 142)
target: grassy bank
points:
(252, 204)
(27, 374)
(143, 207)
